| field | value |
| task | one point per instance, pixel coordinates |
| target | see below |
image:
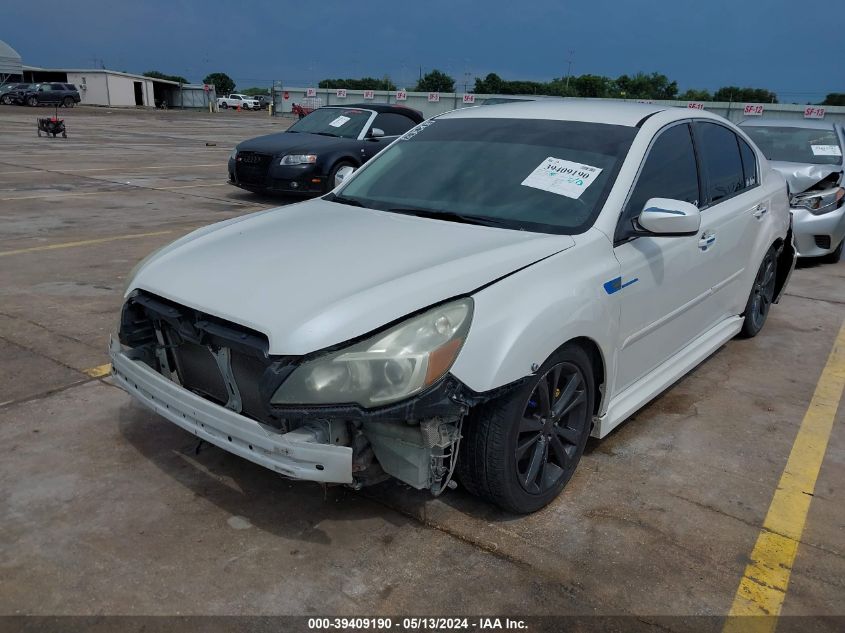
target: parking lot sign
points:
(469, 98)
(310, 92)
(401, 95)
(369, 94)
(341, 93)
(813, 112)
(695, 105)
(433, 97)
(753, 109)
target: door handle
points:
(707, 240)
(760, 210)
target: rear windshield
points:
(797, 145)
(528, 174)
(342, 122)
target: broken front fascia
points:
(174, 357)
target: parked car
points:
(809, 154)
(471, 302)
(306, 158)
(13, 93)
(235, 100)
(51, 94)
(263, 101)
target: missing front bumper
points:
(294, 454)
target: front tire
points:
(521, 449)
(69, 102)
(330, 181)
(761, 297)
(224, 106)
(6, 100)
(32, 102)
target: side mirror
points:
(665, 217)
(375, 132)
(342, 174)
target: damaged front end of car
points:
(402, 413)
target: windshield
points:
(535, 175)
(797, 145)
(343, 122)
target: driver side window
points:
(669, 171)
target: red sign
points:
(753, 109)
(286, 95)
(341, 93)
(433, 97)
(369, 94)
(695, 105)
(813, 112)
(206, 87)
(401, 95)
(310, 92)
(469, 98)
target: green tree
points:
(492, 84)
(255, 91)
(642, 86)
(752, 95)
(364, 83)
(154, 74)
(834, 99)
(695, 95)
(222, 83)
(591, 85)
(435, 81)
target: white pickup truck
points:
(234, 100)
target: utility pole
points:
(569, 67)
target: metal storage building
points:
(10, 64)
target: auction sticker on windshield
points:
(339, 121)
(826, 150)
(562, 177)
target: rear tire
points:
(521, 449)
(224, 106)
(69, 102)
(32, 102)
(761, 297)
(6, 100)
(835, 256)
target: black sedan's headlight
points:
(386, 367)
(298, 159)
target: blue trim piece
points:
(615, 285)
(670, 211)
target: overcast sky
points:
(699, 44)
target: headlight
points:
(387, 367)
(234, 154)
(298, 159)
(819, 202)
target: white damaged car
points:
(490, 290)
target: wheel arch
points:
(598, 366)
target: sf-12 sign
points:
(695, 105)
(341, 93)
(753, 109)
(433, 97)
(401, 95)
(469, 98)
(310, 92)
(813, 112)
(369, 94)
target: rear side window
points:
(669, 171)
(57, 87)
(70, 86)
(392, 124)
(720, 160)
(749, 163)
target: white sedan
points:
(490, 290)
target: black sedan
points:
(305, 159)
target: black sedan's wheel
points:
(6, 100)
(329, 184)
(761, 297)
(32, 101)
(69, 102)
(520, 450)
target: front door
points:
(664, 283)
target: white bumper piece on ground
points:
(292, 454)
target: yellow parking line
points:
(101, 240)
(99, 371)
(762, 590)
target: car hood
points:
(320, 273)
(802, 176)
(283, 142)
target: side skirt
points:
(651, 385)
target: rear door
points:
(663, 287)
(393, 125)
(732, 216)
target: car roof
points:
(383, 107)
(814, 124)
(581, 110)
